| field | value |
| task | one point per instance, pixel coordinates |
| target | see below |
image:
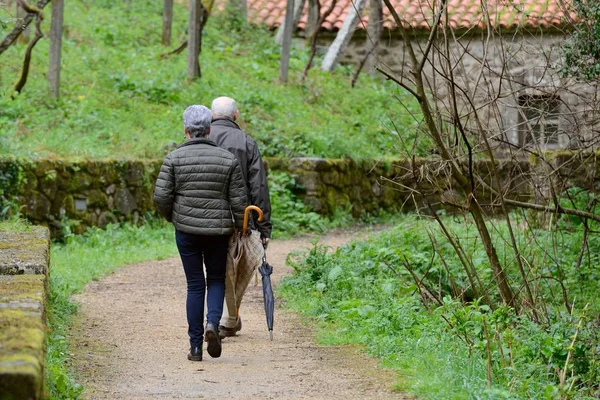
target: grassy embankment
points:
(119, 98)
(363, 294)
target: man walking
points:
(227, 134)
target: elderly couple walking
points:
(203, 188)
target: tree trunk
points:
(338, 47)
(312, 23)
(287, 41)
(374, 30)
(167, 22)
(313, 39)
(194, 33)
(298, 6)
(56, 28)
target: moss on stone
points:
(22, 331)
(22, 351)
(19, 288)
(55, 183)
(25, 252)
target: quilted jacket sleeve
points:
(237, 195)
(259, 189)
(164, 192)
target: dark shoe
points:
(228, 332)
(211, 336)
(195, 354)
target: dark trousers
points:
(194, 251)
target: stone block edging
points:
(24, 263)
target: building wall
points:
(499, 73)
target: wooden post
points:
(56, 29)
(314, 12)
(338, 47)
(374, 30)
(287, 41)
(298, 6)
(195, 22)
(167, 22)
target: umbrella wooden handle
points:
(247, 212)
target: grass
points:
(290, 216)
(14, 224)
(361, 294)
(83, 259)
(119, 98)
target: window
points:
(538, 120)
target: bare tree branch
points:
(21, 25)
(27, 60)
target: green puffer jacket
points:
(200, 189)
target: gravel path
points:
(130, 342)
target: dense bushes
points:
(364, 293)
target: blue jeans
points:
(194, 251)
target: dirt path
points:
(130, 342)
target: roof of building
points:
(418, 14)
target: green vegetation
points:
(14, 224)
(291, 216)
(582, 50)
(11, 181)
(85, 258)
(363, 294)
(119, 98)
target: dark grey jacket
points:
(228, 135)
(200, 189)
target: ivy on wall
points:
(11, 181)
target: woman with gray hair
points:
(200, 190)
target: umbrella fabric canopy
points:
(243, 257)
(265, 271)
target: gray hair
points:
(196, 119)
(224, 107)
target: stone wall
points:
(327, 185)
(24, 263)
(75, 195)
(501, 73)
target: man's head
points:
(196, 121)
(224, 107)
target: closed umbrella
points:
(243, 257)
(265, 271)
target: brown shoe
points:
(229, 332)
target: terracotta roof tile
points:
(418, 14)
